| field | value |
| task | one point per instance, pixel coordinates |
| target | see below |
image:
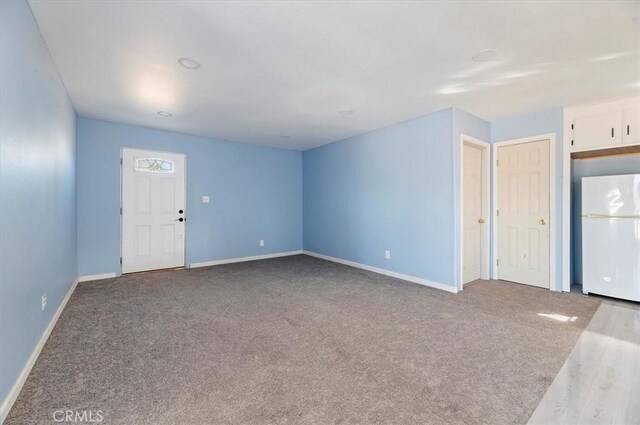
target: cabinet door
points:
(598, 131)
(631, 126)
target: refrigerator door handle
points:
(610, 216)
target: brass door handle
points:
(543, 221)
(481, 220)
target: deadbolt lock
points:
(543, 221)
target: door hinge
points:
(497, 262)
(120, 161)
(572, 143)
(498, 212)
(571, 126)
(497, 162)
(120, 260)
(120, 210)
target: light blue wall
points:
(389, 189)
(591, 168)
(256, 193)
(534, 124)
(469, 125)
(37, 189)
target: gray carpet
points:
(299, 340)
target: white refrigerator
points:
(611, 236)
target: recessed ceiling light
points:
(164, 114)
(285, 137)
(346, 112)
(483, 55)
(189, 63)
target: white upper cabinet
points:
(631, 126)
(597, 131)
(605, 124)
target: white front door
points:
(523, 213)
(472, 220)
(153, 210)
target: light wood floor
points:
(600, 381)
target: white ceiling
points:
(273, 69)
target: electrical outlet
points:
(44, 301)
(387, 254)
(205, 199)
(261, 242)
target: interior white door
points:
(153, 210)
(523, 213)
(472, 218)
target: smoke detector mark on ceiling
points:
(189, 63)
(484, 55)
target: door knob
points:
(481, 220)
(180, 211)
(543, 221)
(181, 219)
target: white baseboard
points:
(91, 277)
(414, 279)
(241, 259)
(7, 403)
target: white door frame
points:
(567, 136)
(552, 201)
(486, 190)
(184, 260)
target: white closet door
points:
(472, 217)
(523, 221)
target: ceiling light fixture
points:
(346, 112)
(164, 114)
(483, 55)
(189, 63)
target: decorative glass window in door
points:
(154, 165)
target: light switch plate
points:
(205, 199)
